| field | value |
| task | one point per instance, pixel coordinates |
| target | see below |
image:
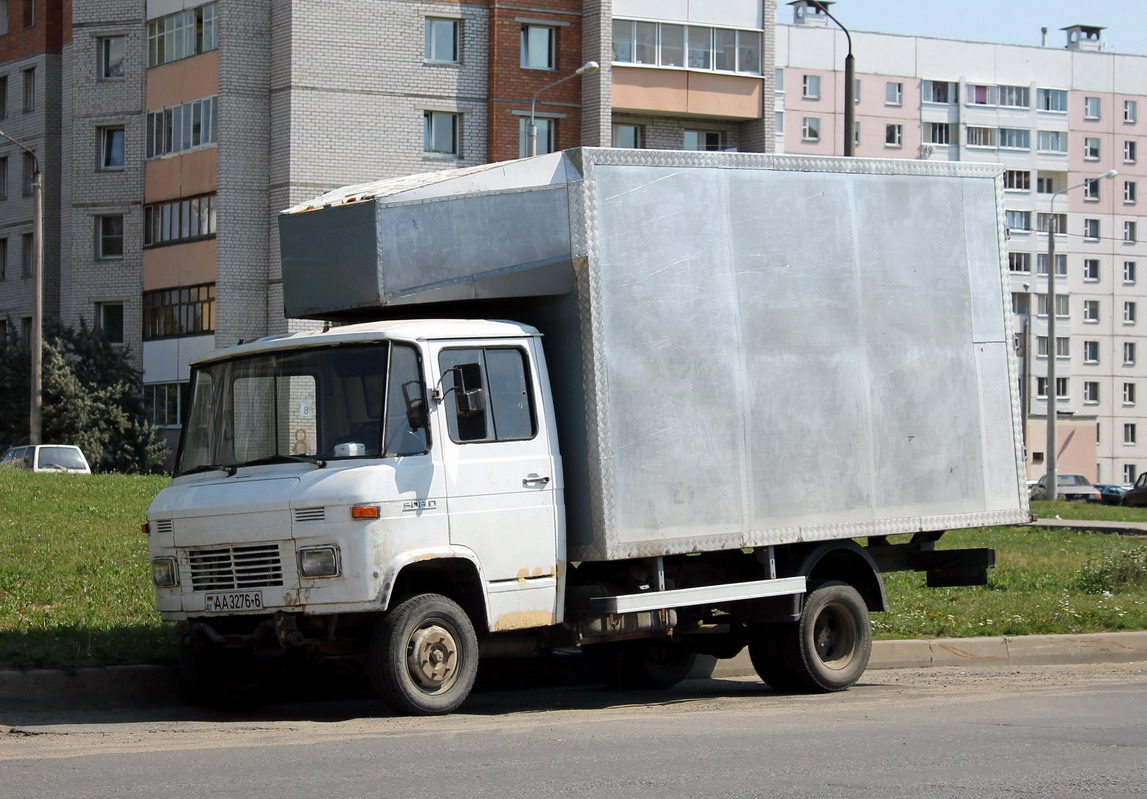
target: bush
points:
(1109, 574)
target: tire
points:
(768, 646)
(643, 665)
(423, 656)
(833, 639)
(223, 679)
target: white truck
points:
(730, 381)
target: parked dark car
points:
(1072, 487)
(1136, 497)
(1111, 494)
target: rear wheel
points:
(424, 656)
(767, 650)
(641, 665)
(834, 639)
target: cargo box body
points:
(745, 349)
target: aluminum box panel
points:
(745, 349)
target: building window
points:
(1091, 108)
(4, 178)
(29, 174)
(1129, 434)
(109, 237)
(1128, 393)
(1128, 313)
(1019, 262)
(1052, 141)
(1015, 138)
(3, 96)
(3, 31)
(1017, 179)
(442, 40)
(29, 90)
(1091, 352)
(1051, 99)
(1130, 195)
(982, 95)
(1091, 269)
(547, 132)
(1041, 346)
(109, 316)
(810, 87)
(179, 220)
(940, 133)
(440, 133)
(182, 311)
(26, 255)
(29, 13)
(699, 43)
(936, 91)
(704, 140)
(163, 403)
(539, 49)
(3, 259)
(1130, 472)
(1019, 220)
(1091, 229)
(111, 148)
(1128, 271)
(631, 137)
(1129, 152)
(1090, 310)
(182, 35)
(1015, 96)
(1091, 189)
(182, 127)
(1090, 392)
(111, 50)
(810, 129)
(893, 135)
(1062, 347)
(981, 137)
(1129, 232)
(1091, 148)
(1041, 387)
(1128, 353)
(1130, 111)
(672, 50)
(893, 93)
(1061, 387)
(1061, 305)
(779, 79)
(1045, 185)
(1044, 223)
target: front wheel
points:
(834, 639)
(424, 656)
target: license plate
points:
(235, 600)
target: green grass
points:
(75, 588)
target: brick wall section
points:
(93, 103)
(511, 87)
(597, 89)
(759, 136)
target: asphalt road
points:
(1046, 731)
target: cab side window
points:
(487, 394)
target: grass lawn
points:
(75, 587)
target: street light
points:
(1050, 481)
(849, 85)
(588, 68)
(37, 342)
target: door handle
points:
(533, 480)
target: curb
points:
(157, 686)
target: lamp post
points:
(849, 85)
(36, 345)
(1051, 478)
(588, 68)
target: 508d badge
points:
(240, 600)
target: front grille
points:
(163, 525)
(223, 568)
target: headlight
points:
(164, 573)
(319, 561)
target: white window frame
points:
(1129, 312)
(704, 140)
(1092, 108)
(1130, 152)
(103, 237)
(432, 133)
(810, 87)
(1091, 148)
(1091, 230)
(1130, 111)
(1129, 353)
(893, 93)
(108, 149)
(547, 135)
(1130, 433)
(1051, 100)
(1091, 352)
(101, 308)
(1091, 270)
(1051, 141)
(433, 38)
(1091, 392)
(1130, 231)
(1091, 310)
(111, 68)
(621, 131)
(1129, 270)
(535, 36)
(810, 129)
(1130, 192)
(1128, 393)
(893, 135)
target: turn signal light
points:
(365, 512)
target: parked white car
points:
(46, 458)
(1072, 487)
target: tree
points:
(91, 398)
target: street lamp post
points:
(588, 68)
(36, 345)
(1051, 478)
(849, 86)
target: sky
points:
(1006, 21)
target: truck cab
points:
(327, 476)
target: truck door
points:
(500, 473)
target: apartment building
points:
(1057, 118)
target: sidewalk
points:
(156, 686)
(1099, 526)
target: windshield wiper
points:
(209, 467)
(287, 459)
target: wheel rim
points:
(432, 657)
(835, 636)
